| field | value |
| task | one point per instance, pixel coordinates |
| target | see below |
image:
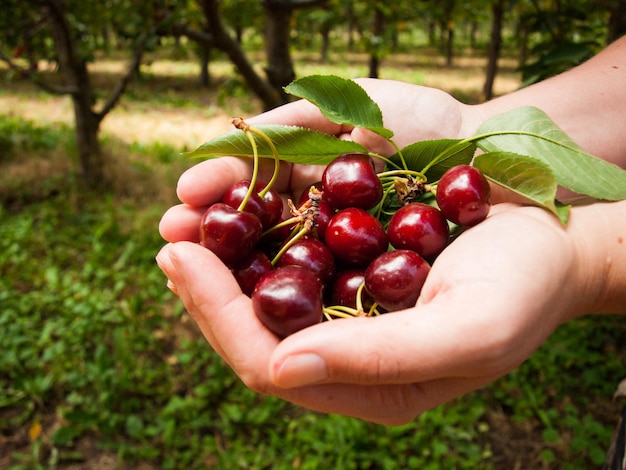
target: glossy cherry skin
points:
(355, 237)
(250, 270)
(288, 299)
(351, 181)
(419, 227)
(395, 279)
(268, 208)
(229, 233)
(464, 195)
(344, 289)
(311, 254)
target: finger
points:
(227, 322)
(207, 181)
(383, 404)
(223, 313)
(428, 343)
(473, 316)
(181, 223)
(300, 113)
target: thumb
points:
(426, 342)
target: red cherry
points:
(355, 237)
(419, 227)
(288, 299)
(351, 181)
(395, 279)
(311, 254)
(344, 288)
(249, 271)
(464, 195)
(229, 233)
(268, 208)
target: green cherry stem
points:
(275, 154)
(303, 231)
(240, 124)
(387, 161)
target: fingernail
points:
(171, 286)
(299, 370)
(164, 263)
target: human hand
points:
(491, 298)
(413, 112)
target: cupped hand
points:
(413, 112)
(492, 297)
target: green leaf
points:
(530, 131)
(434, 157)
(527, 176)
(294, 144)
(341, 100)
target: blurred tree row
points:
(549, 36)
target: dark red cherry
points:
(344, 289)
(288, 299)
(229, 233)
(311, 254)
(464, 195)
(351, 181)
(268, 208)
(355, 237)
(249, 271)
(419, 227)
(395, 279)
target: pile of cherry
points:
(334, 257)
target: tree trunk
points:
(205, 58)
(76, 78)
(222, 40)
(378, 29)
(279, 69)
(495, 45)
(449, 28)
(617, 21)
(325, 32)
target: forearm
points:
(600, 233)
(587, 102)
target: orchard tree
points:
(495, 46)
(278, 15)
(73, 28)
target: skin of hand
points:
(492, 297)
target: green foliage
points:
(26, 136)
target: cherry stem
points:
(303, 231)
(390, 173)
(388, 161)
(341, 311)
(255, 162)
(275, 154)
(381, 204)
(284, 223)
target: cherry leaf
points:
(530, 131)
(294, 144)
(434, 157)
(341, 100)
(527, 176)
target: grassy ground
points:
(100, 367)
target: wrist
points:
(599, 232)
